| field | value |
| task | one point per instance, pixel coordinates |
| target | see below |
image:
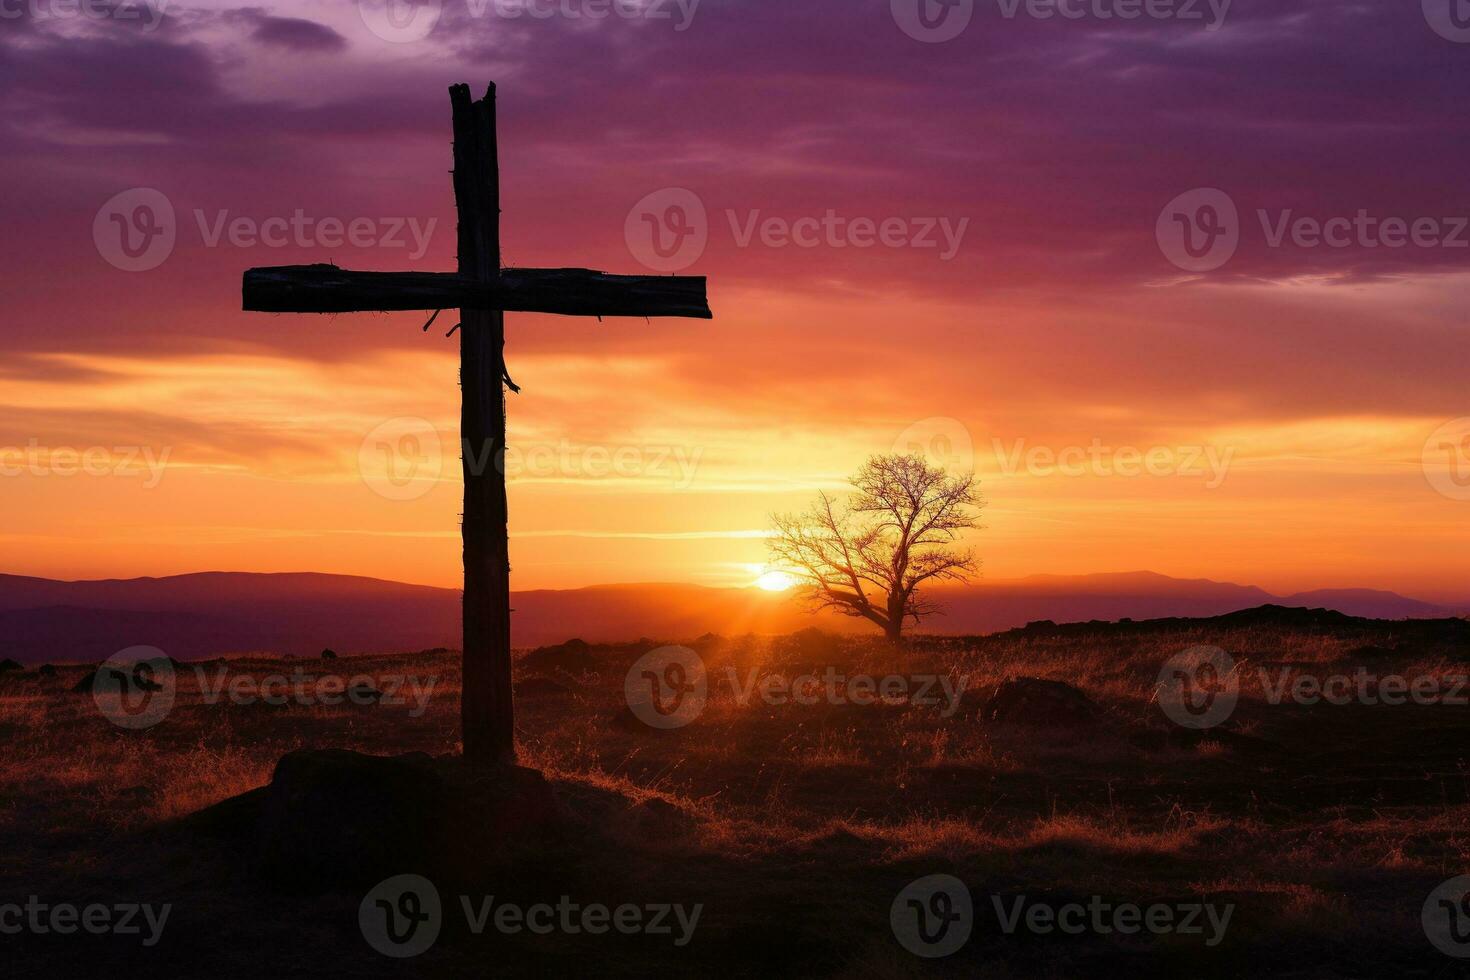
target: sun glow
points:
(776, 581)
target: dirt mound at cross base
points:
(332, 818)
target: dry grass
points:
(796, 824)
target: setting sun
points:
(776, 581)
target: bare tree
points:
(898, 531)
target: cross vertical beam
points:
(483, 292)
(487, 711)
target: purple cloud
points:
(293, 33)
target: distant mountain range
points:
(224, 613)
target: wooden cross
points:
(483, 292)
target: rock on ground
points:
(1036, 703)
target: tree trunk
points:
(894, 629)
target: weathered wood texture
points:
(572, 292)
(486, 708)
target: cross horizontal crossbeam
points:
(573, 292)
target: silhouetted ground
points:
(795, 826)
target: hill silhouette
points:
(220, 613)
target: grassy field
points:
(794, 826)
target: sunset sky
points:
(1298, 403)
